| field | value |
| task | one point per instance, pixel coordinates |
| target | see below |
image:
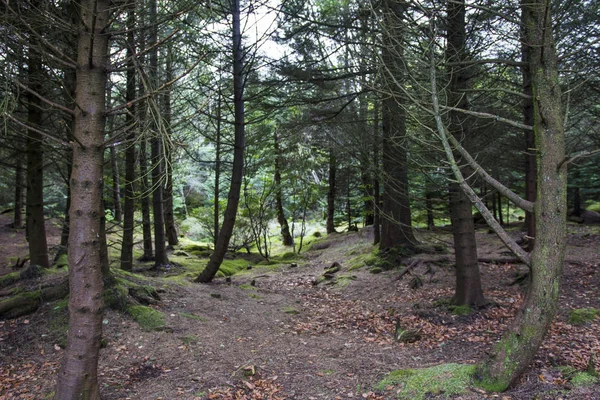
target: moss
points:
(247, 287)
(582, 316)
(192, 316)
(462, 310)
(376, 270)
(287, 256)
(9, 279)
(583, 379)
(147, 317)
(290, 310)
(506, 346)
(63, 261)
(344, 280)
(255, 296)
(231, 267)
(447, 379)
(115, 296)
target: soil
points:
(273, 334)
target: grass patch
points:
(192, 316)
(583, 379)
(447, 379)
(245, 286)
(148, 318)
(190, 339)
(582, 316)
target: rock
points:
(590, 217)
(294, 265)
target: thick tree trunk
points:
(36, 230)
(129, 206)
(286, 237)
(170, 228)
(429, 207)
(330, 224)
(78, 377)
(18, 213)
(233, 198)
(530, 162)
(396, 226)
(468, 280)
(518, 346)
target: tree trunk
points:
(530, 162)
(78, 377)
(129, 206)
(217, 174)
(145, 188)
(18, 213)
(376, 175)
(160, 250)
(429, 207)
(36, 230)
(286, 237)
(519, 344)
(499, 206)
(396, 227)
(233, 198)
(170, 228)
(116, 189)
(330, 225)
(468, 280)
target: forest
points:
(299, 199)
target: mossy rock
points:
(376, 270)
(62, 261)
(582, 316)
(116, 297)
(148, 318)
(418, 384)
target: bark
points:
(530, 162)
(143, 156)
(145, 188)
(429, 207)
(170, 228)
(129, 206)
(376, 175)
(233, 198)
(500, 213)
(514, 352)
(396, 227)
(36, 230)
(286, 237)
(330, 225)
(468, 281)
(78, 376)
(18, 213)
(160, 250)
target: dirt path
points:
(302, 341)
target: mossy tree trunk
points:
(237, 174)
(468, 280)
(78, 376)
(518, 346)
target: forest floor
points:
(271, 333)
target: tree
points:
(235, 186)
(468, 281)
(78, 376)
(519, 344)
(36, 230)
(396, 226)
